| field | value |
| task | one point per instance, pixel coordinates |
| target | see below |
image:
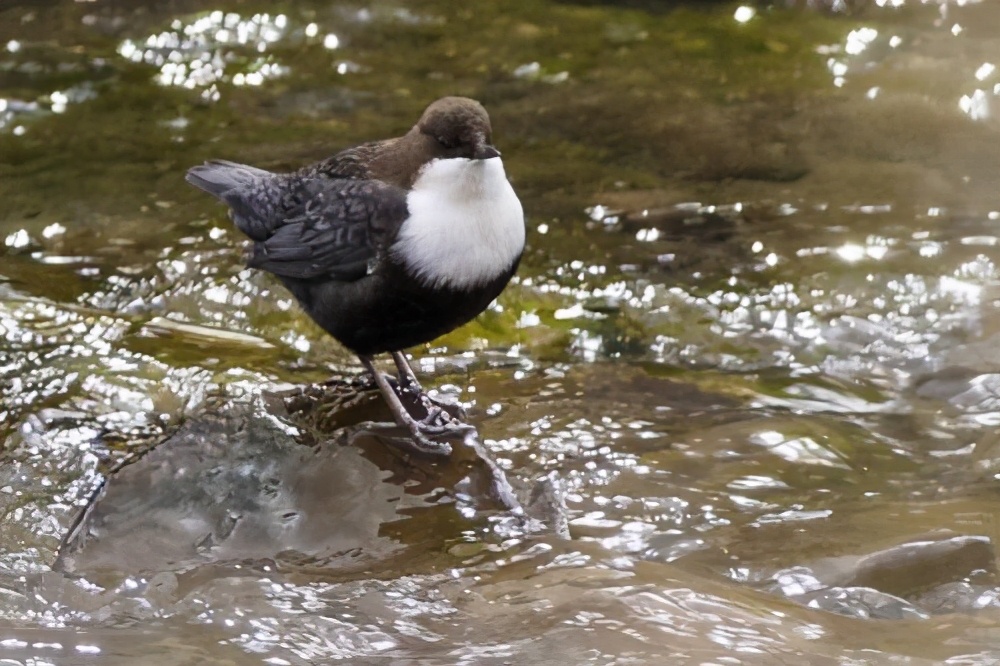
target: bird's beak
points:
(485, 151)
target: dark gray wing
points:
(329, 228)
(306, 225)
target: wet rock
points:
(959, 597)
(547, 504)
(910, 567)
(240, 484)
(888, 576)
(946, 384)
(234, 486)
(355, 409)
(863, 602)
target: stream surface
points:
(752, 344)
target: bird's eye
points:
(447, 143)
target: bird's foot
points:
(417, 442)
(436, 416)
(424, 445)
(414, 443)
(435, 422)
(438, 421)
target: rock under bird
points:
(388, 244)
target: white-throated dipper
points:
(389, 244)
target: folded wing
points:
(306, 227)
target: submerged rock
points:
(933, 571)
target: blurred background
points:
(753, 340)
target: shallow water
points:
(752, 340)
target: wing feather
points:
(307, 226)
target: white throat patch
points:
(466, 225)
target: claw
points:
(429, 447)
(419, 441)
(433, 414)
(417, 444)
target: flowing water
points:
(752, 345)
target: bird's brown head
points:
(458, 127)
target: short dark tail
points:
(253, 195)
(219, 177)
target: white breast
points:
(466, 225)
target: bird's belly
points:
(377, 315)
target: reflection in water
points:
(857, 43)
(15, 112)
(864, 50)
(976, 105)
(217, 48)
(744, 13)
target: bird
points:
(389, 244)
